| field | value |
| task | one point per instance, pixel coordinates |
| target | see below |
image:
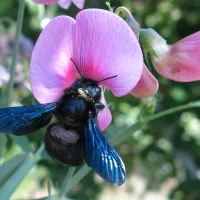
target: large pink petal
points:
(64, 3)
(79, 3)
(104, 117)
(182, 61)
(50, 72)
(105, 46)
(45, 1)
(147, 85)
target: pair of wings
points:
(99, 154)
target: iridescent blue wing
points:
(101, 156)
(25, 119)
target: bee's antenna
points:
(107, 78)
(77, 68)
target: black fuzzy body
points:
(73, 112)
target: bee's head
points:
(88, 89)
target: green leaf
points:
(29, 100)
(45, 198)
(7, 168)
(22, 141)
(65, 184)
(3, 140)
(45, 156)
(82, 172)
(53, 198)
(15, 179)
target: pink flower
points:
(99, 42)
(179, 61)
(147, 85)
(62, 3)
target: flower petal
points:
(4, 76)
(104, 117)
(79, 3)
(45, 1)
(181, 62)
(147, 85)
(50, 71)
(105, 46)
(64, 3)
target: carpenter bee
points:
(76, 138)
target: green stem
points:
(123, 9)
(121, 136)
(109, 6)
(49, 188)
(20, 17)
(64, 189)
(40, 150)
(3, 140)
(82, 172)
(194, 104)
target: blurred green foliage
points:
(167, 149)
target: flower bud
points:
(179, 61)
(148, 84)
(152, 42)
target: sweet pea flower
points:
(147, 85)
(180, 61)
(62, 3)
(100, 43)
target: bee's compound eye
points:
(98, 90)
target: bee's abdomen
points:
(64, 145)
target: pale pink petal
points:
(64, 3)
(79, 3)
(4, 76)
(147, 85)
(105, 46)
(45, 1)
(50, 70)
(104, 117)
(182, 60)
